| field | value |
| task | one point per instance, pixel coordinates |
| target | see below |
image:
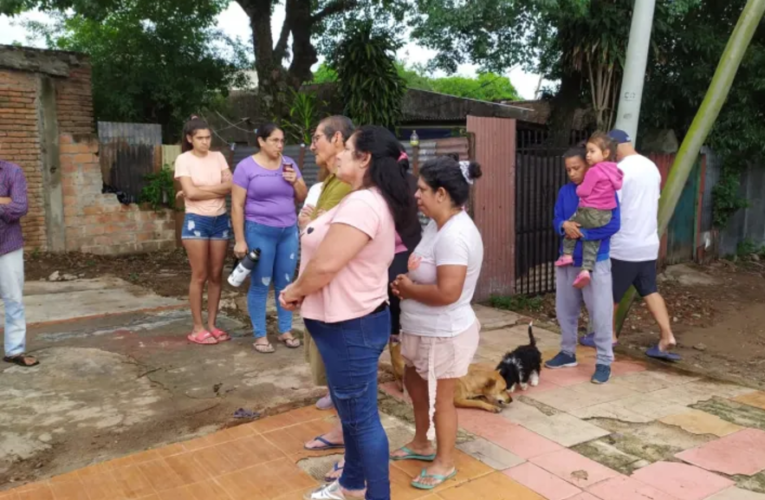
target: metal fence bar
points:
(540, 174)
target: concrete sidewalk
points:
(650, 433)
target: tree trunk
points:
(303, 52)
(563, 109)
(702, 123)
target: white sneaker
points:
(331, 491)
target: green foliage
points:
(749, 247)
(152, 62)
(159, 191)
(324, 74)
(369, 82)
(303, 117)
(678, 78)
(518, 303)
(485, 87)
(726, 197)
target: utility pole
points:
(631, 95)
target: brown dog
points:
(394, 347)
(482, 388)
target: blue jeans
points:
(11, 289)
(351, 350)
(278, 259)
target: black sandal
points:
(22, 360)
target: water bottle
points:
(244, 268)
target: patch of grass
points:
(517, 303)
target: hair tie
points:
(403, 156)
(465, 167)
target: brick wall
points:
(20, 144)
(98, 223)
(92, 222)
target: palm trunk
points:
(705, 118)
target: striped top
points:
(13, 206)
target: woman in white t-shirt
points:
(439, 327)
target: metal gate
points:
(539, 174)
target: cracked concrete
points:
(112, 384)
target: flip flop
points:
(220, 335)
(410, 455)
(327, 445)
(335, 468)
(656, 353)
(22, 360)
(202, 338)
(245, 413)
(264, 348)
(438, 477)
(292, 343)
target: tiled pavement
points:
(649, 434)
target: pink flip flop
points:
(202, 338)
(220, 335)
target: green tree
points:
(677, 84)
(719, 89)
(485, 87)
(152, 62)
(284, 61)
(579, 42)
(369, 81)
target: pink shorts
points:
(451, 355)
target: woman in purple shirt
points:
(266, 188)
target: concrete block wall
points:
(47, 127)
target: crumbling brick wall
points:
(47, 127)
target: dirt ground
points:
(718, 317)
(718, 311)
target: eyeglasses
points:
(275, 141)
(316, 138)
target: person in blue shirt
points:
(598, 296)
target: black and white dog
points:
(522, 366)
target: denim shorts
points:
(200, 227)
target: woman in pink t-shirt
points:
(205, 180)
(342, 291)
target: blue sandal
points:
(327, 445)
(438, 477)
(335, 468)
(410, 455)
(656, 353)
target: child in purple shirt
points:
(597, 200)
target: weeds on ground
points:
(517, 303)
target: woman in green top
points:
(328, 140)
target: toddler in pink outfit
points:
(597, 199)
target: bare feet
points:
(667, 344)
